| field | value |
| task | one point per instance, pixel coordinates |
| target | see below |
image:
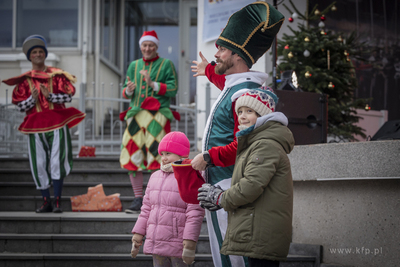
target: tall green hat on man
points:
(251, 31)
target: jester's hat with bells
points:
(251, 31)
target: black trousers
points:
(262, 263)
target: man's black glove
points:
(209, 196)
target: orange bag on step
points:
(96, 200)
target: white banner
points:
(216, 15)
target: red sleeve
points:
(216, 79)
(21, 92)
(124, 95)
(163, 89)
(62, 84)
(224, 156)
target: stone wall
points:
(347, 199)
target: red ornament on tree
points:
(286, 46)
(290, 19)
(323, 18)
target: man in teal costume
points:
(248, 34)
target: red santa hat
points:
(189, 180)
(149, 36)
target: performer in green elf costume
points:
(150, 84)
(248, 34)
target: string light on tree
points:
(333, 8)
(307, 74)
(290, 55)
(317, 12)
(306, 39)
(340, 38)
(331, 85)
(347, 55)
(367, 107)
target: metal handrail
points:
(91, 132)
(100, 141)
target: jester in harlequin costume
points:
(150, 84)
(248, 34)
(41, 93)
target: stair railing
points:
(13, 143)
(101, 128)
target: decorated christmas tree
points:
(322, 62)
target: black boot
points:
(135, 206)
(46, 206)
(57, 205)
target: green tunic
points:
(161, 71)
(149, 116)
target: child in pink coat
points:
(171, 226)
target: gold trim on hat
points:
(265, 27)
(239, 46)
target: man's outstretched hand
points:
(199, 67)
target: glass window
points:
(110, 30)
(161, 16)
(55, 20)
(6, 23)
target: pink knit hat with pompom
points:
(175, 142)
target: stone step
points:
(49, 239)
(334, 265)
(78, 243)
(31, 203)
(104, 242)
(117, 260)
(84, 260)
(303, 255)
(299, 261)
(41, 239)
(71, 223)
(76, 175)
(95, 163)
(69, 188)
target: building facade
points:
(95, 40)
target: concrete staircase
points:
(85, 238)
